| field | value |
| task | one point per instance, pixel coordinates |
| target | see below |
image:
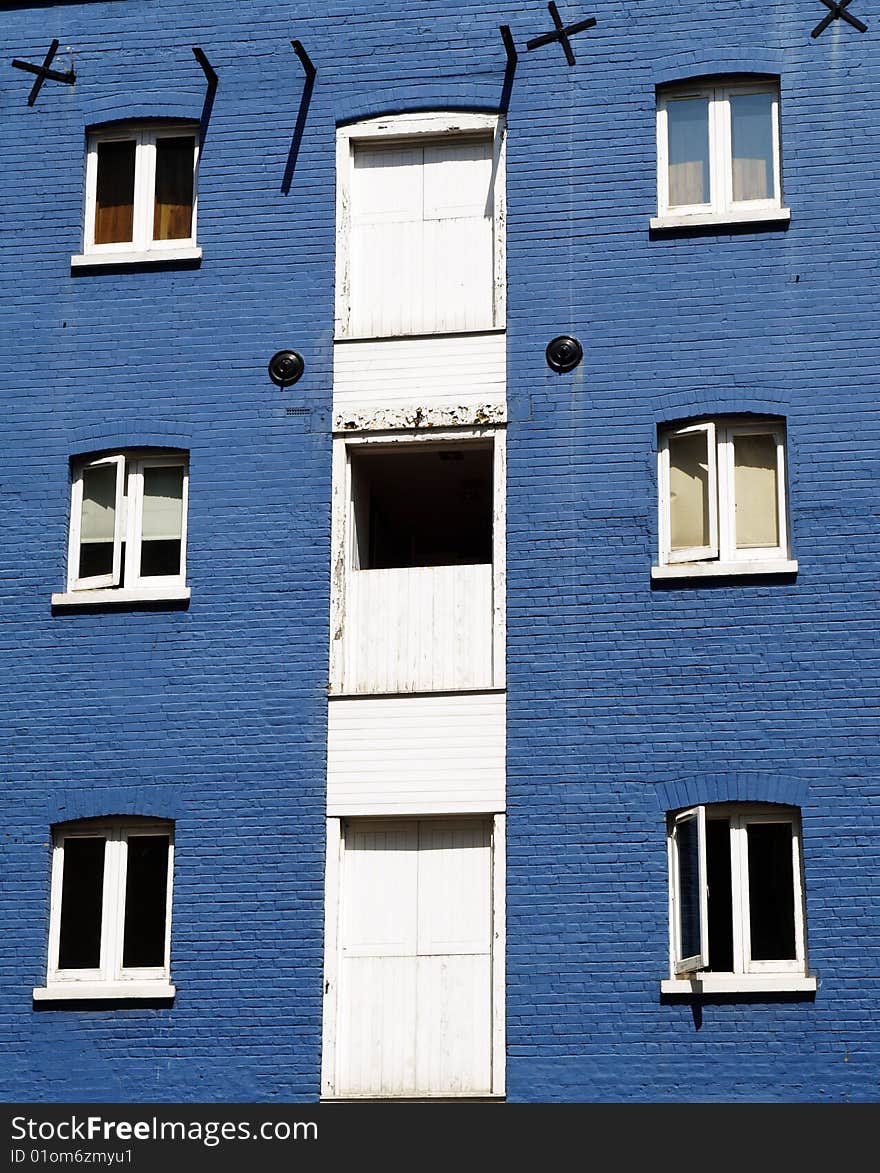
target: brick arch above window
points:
(695, 66)
(731, 786)
(132, 801)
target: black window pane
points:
(687, 839)
(720, 895)
(161, 557)
(95, 558)
(146, 886)
(771, 892)
(82, 889)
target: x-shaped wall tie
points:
(43, 72)
(561, 33)
(838, 12)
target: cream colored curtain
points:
(756, 492)
(689, 491)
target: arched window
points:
(140, 194)
(128, 527)
(722, 498)
(718, 156)
(736, 898)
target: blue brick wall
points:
(623, 700)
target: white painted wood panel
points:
(395, 382)
(416, 755)
(422, 240)
(420, 628)
(415, 1014)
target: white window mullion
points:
(134, 510)
(662, 159)
(726, 497)
(781, 499)
(144, 186)
(800, 936)
(110, 945)
(739, 885)
(719, 152)
(91, 194)
(55, 908)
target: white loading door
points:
(415, 972)
(422, 238)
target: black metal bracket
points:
(562, 33)
(307, 63)
(838, 12)
(44, 73)
(509, 46)
(207, 68)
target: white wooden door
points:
(415, 965)
(422, 247)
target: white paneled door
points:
(415, 964)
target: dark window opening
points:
(82, 898)
(146, 889)
(771, 892)
(718, 876)
(423, 506)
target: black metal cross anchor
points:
(562, 33)
(43, 71)
(838, 12)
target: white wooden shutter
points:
(415, 1014)
(422, 245)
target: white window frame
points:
(721, 556)
(333, 927)
(130, 585)
(111, 979)
(142, 247)
(411, 129)
(747, 975)
(721, 207)
(699, 960)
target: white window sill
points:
(719, 219)
(150, 257)
(724, 569)
(120, 596)
(740, 983)
(68, 991)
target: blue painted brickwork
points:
(623, 700)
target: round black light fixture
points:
(564, 353)
(286, 367)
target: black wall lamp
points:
(286, 367)
(564, 353)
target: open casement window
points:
(141, 191)
(110, 920)
(736, 891)
(128, 522)
(420, 226)
(690, 482)
(718, 151)
(722, 494)
(689, 891)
